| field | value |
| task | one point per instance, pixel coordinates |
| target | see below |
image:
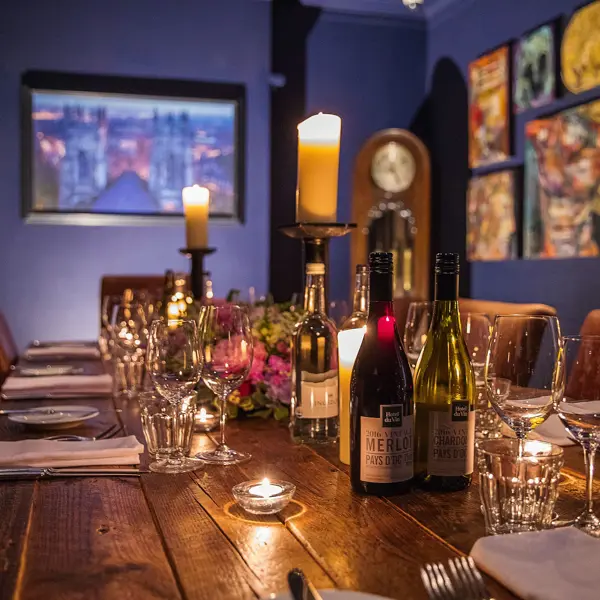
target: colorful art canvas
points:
(562, 184)
(489, 114)
(491, 223)
(534, 69)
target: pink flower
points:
(278, 379)
(257, 371)
(283, 348)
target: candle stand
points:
(197, 271)
(315, 242)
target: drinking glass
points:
(227, 347)
(173, 358)
(168, 428)
(518, 485)
(418, 320)
(523, 370)
(579, 411)
(476, 330)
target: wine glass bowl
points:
(418, 320)
(522, 370)
(476, 330)
(579, 411)
(226, 345)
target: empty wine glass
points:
(522, 370)
(579, 411)
(173, 358)
(418, 320)
(227, 347)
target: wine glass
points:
(173, 358)
(523, 370)
(227, 347)
(418, 320)
(579, 411)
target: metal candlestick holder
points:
(315, 242)
(197, 272)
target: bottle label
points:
(451, 440)
(318, 399)
(386, 446)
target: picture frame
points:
(536, 66)
(493, 215)
(111, 150)
(490, 114)
(561, 210)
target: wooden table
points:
(165, 536)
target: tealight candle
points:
(205, 421)
(266, 489)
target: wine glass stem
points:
(223, 416)
(521, 438)
(589, 456)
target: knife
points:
(301, 587)
(13, 473)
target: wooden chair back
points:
(115, 285)
(583, 374)
(8, 348)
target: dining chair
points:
(8, 348)
(591, 324)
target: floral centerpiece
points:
(267, 390)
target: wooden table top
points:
(182, 536)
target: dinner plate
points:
(333, 595)
(65, 416)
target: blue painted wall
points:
(457, 36)
(50, 275)
(370, 72)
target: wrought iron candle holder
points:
(315, 242)
(197, 271)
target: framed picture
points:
(489, 114)
(580, 50)
(562, 184)
(535, 68)
(112, 150)
(492, 202)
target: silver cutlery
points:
(460, 581)
(12, 473)
(301, 587)
(107, 434)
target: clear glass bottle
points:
(314, 411)
(381, 403)
(445, 391)
(350, 338)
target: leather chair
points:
(584, 382)
(591, 324)
(8, 348)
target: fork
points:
(111, 432)
(464, 581)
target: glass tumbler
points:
(168, 428)
(518, 489)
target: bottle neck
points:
(361, 294)
(314, 294)
(445, 308)
(381, 322)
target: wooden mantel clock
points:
(391, 206)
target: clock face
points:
(393, 168)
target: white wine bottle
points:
(381, 396)
(445, 391)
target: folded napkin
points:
(50, 453)
(551, 430)
(59, 386)
(62, 351)
(556, 564)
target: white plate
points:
(49, 371)
(65, 416)
(333, 595)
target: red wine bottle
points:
(381, 396)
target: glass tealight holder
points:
(263, 497)
(205, 421)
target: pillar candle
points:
(349, 342)
(318, 160)
(195, 207)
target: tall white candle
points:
(195, 206)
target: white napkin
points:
(556, 564)
(65, 386)
(551, 430)
(50, 453)
(62, 351)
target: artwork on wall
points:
(109, 150)
(489, 114)
(491, 223)
(535, 68)
(580, 54)
(562, 184)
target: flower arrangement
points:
(267, 390)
